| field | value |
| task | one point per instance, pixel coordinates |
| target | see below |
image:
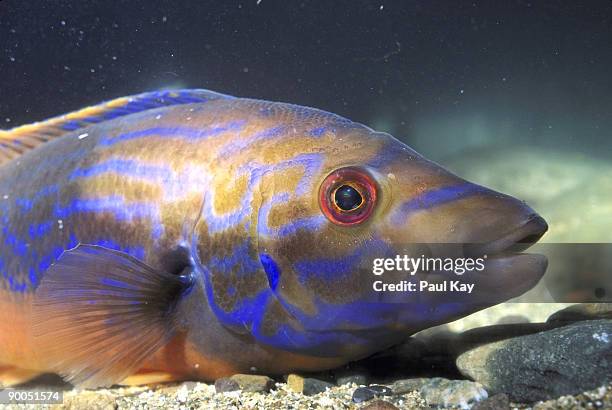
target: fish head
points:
(366, 196)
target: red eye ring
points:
(349, 181)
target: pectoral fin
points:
(99, 313)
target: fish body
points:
(200, 235)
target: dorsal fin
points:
(16, 141)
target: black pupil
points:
(347, 198)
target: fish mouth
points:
(512, 243)
(509, 271)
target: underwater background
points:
(515, 95)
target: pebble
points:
(380, 405)
(348, 376)
(253, 382)
(545, 365)
(307, 385)
(408, 385)
(452, 393)
(497, 402)
(366, 393)
(439, 391)
(226, 384)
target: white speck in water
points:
(602, 337)
(7, 119)
(164, 19)
(191, 110)
(12, 59)
(197, 365)
(382, 6)
(83, 136)
(391, 175)
(188, 118)
(60, 224)
(158, 117)
(253, 369)
(63, 23)
(258, 2)
(5, 196)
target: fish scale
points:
(187, 230)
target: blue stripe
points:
(16, 244)
(271, 268)
(118, 207)
(175, 185)
(174, 132)
(239, 261)
(241, 144)
(71, 125)
(338, 266)
(318, 131)
(436, 197)
(216, 222)
(26, 204)
(129, 168)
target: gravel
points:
(193, 395)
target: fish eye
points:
(348, 196)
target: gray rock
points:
(253, 382)
(314, 386)
(442, 392)
(366, 393)
(453, 393)
(583, 311)
(347, 376)
(497, 402)
(226, 384)
(557, 362)
(380, 405)
(408, 385)
(307, 385)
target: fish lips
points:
(508, 271)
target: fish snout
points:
(486, 221)
(461, 212)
